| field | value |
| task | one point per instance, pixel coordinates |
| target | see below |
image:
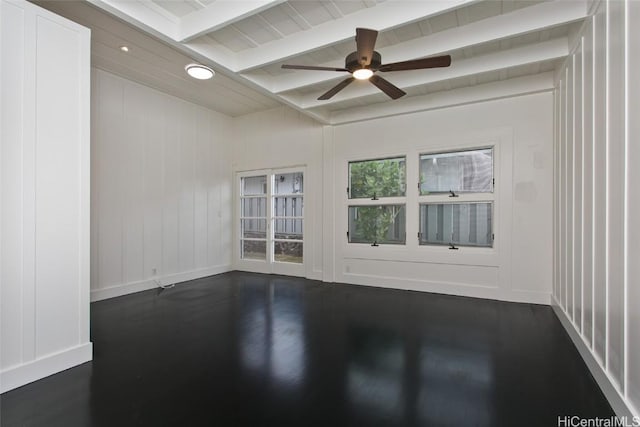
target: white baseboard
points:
(314, 275)
(45, 366)
(455, 289)
(621, 407)
(143, 285)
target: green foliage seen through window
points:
(375, 179)
(379, 178)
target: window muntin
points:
(468, 171)
(373, 179)
(377, 224)
(460, 224)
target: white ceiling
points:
(499, 48)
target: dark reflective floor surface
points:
(244, 349)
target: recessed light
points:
(362, 73)
(124, 48)
(199, 71)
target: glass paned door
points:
(253, 217)
(271, 222)
(288, 217)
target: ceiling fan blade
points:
(388, 88)
(365, 42)
(418, 64)
(337, 88)
(311, 67)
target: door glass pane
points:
(254, 249)
(461, 171)
(254, 228)
(287, 251)
(254, 185)
(461, 224)
(377, 223)
(377, 178)
(253, 207)
(288, 206)
(288, 183)
(288, 229)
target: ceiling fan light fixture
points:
(362, 73)
(199, 71)
(365, 61)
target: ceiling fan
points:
(365, 62)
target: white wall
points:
(518, 267)
(44, 184)
(596, 274)
(161, 181)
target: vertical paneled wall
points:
(632, 265)
(161, 181)
(44, 194)
(597, 196)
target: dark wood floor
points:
(244, 349)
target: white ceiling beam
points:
(551, 49)
(387, 15)
(219, 14)
(521, 21)
(217, 55)
(462, 96)
(143, 17)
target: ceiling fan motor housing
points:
(352, 62)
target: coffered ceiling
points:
(499, 48)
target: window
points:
(456, 198)
(377, 190)
(459, 224)
(468, 171)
